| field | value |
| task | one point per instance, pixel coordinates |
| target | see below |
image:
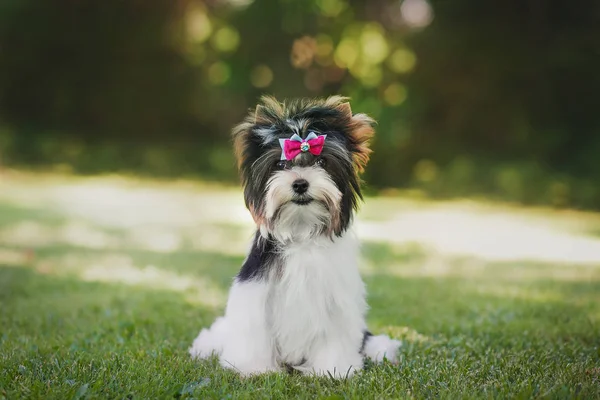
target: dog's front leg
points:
(249, 345)
(241, 338)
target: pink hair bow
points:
(293, 146)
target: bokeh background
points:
(122, 221)
(494, 98)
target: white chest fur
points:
(316, 295)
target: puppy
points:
(298, 302)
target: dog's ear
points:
(360, 130)
(241, 139)
(266, 113)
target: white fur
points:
(241, 338)
(300, 223)
(319, 305)
(379, 347)
(312, 309)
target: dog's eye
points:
(321, 162)
(281, 164)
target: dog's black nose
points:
(300, 186)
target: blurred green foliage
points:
(495, 97)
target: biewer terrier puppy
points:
(298, 302)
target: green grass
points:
(115, 321)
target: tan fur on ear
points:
(362, 131)
(361, 128)
(335, 101)
(345, 109)
(240, 134)
(259, 114)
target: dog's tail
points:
(380, 347)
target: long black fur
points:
(260, 259)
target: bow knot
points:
(293, 146)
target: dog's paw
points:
(378, 348)
(204, 346)
(335, 372)
(335, 363)
(250, 369)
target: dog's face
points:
(299, 194)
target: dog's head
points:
(300, 163)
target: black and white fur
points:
(298, 301)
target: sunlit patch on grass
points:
(159, 239)
(76, 233)
(120, 268)
(124, 206)
(405, 333)
(520, 292)
(157, 216)
(410, 261)
(490, 235)
(117, 214)
(231, 240)
(224, 239)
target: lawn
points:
(105, 282)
